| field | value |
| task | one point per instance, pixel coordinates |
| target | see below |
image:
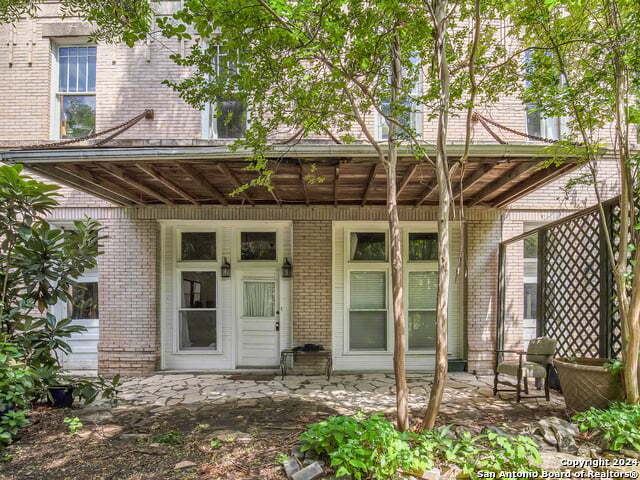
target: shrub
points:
(16, 389)
(619, 425)
(372, 448)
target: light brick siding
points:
(482, 285)
(129, 332)
(311, 287)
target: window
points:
(197, 312)
(227, 118)
(76, 91)
(258, 246)
(368, 246)
(423, 289)
(411, 117)
(423, 246)
(368, 310)
(198, 246)
(83, 301)
(537, 124)
(259, 299)
(530, 291)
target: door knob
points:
(277, 326)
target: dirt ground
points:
(147, 443)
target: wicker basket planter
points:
(586, 383)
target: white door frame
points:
(255, 273)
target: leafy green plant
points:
(16, 387)
(619, 425)
(168, 438)
(215, 444)
(371, 447)
(74, 425)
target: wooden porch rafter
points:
(156, 175)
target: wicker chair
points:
(535, 363)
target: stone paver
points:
(466, 397)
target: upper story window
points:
(411, 117)
(76, 91)
(538, 125)
(227, 118)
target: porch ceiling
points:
(495, 175)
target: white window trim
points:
(415, 266)
(55, 110)
(365, 266)
(193, 263)
(208, 130)
(237, 246)
(178, 309)
(195, 266)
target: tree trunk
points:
(400, 336)
(444, 205)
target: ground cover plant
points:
(618, 425)
(371, 447)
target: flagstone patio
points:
(468, 399)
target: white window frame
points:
(546, 127)
(56, 95)
(195, 266)
(367, 266)
(209, 127)
(417, 116)
(375, 229)
(237, 245)
(416, 266)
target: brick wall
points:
(129, 331)
(482, 286)
(311, 288)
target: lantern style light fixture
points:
(225, 268)
(287, 269)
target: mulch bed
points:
(133, 444)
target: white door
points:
(258, 332)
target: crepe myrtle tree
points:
(321, 68)
(585, 66)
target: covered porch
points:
(183, 256)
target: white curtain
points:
(353, 245)
(185, 336)
(259, 299)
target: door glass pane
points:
(258, 245)
(368, 246)
(259, 299)
(83, 303)
(367, 330)
(78, 116)
(423, 289)
(197, 329)
(198, 290)
(198, 246)
(423, 246)
(368, 290)
(422, 330)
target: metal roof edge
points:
(274, 151)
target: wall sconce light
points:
(287, 269)
(225, 269)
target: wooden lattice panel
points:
(572, 286)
